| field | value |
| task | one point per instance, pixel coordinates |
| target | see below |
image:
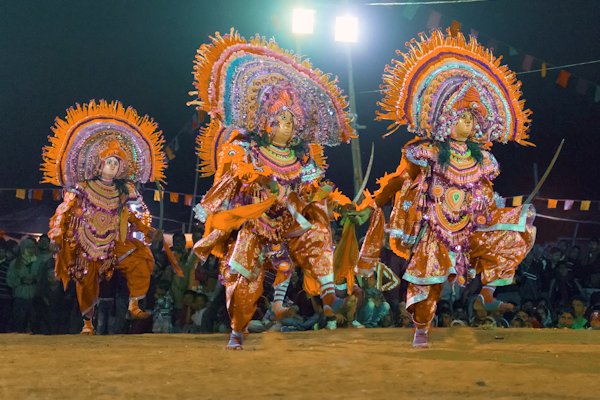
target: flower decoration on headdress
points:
(243, 84)
(92, 132)
(443, 75)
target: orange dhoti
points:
(496, 251)
(134, 260)
(243, 266)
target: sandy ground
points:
(463, 363)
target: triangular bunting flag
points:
(157, 195)
(187, 199)
(585, 205)
(454, 28)
(544, 70)
(563, 78)
(552, 203)
(21, 194)
(37, 194)
(517, 201)
(174, 197)
(56, 194)
(527, 62)
(569, 204)
(434, 20)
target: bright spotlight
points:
(303, 21)
(346, 29)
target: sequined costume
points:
(269, 206)
(94, 226)
(446, 218)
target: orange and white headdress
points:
(92, 132)
(441, 76)
(243, 84)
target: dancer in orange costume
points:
(446, 218)
(97, 154)
(269, 206)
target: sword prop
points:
(367, 173)
(546, 173)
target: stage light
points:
(303, 21)
(346, 29)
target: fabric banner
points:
(563, 78)
(21, 194)
(527, 62)
(568, 204)
(517, 201)
(434, 20)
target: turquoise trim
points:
(343, 286)
(452, 256)
(304, 224)
(240, 269)
(432, 280)
(404, 237)
(416, 299)
(518, 227)
(501, 282)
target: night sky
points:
(57, 53)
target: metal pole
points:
(195, 191)
(355, 144)
(574, 239)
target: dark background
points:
(57, 53)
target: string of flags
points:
(189, 200)
(564, 204)
(198, 118)
(57, 195)
(529, 63)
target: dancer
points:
(269, 207)
(97, 154)
(454, 95)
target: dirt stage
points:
(368, 363)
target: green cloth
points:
(22, 278)
(579, 323)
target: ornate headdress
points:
(93, 132)
(443, 75)
(244, 84)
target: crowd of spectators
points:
(557, 286)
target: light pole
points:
(346, 31)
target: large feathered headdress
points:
(443, 75)
(243, 84)
(93, 132)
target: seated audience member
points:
(578, 304)
(565, 319)
(162, 315)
